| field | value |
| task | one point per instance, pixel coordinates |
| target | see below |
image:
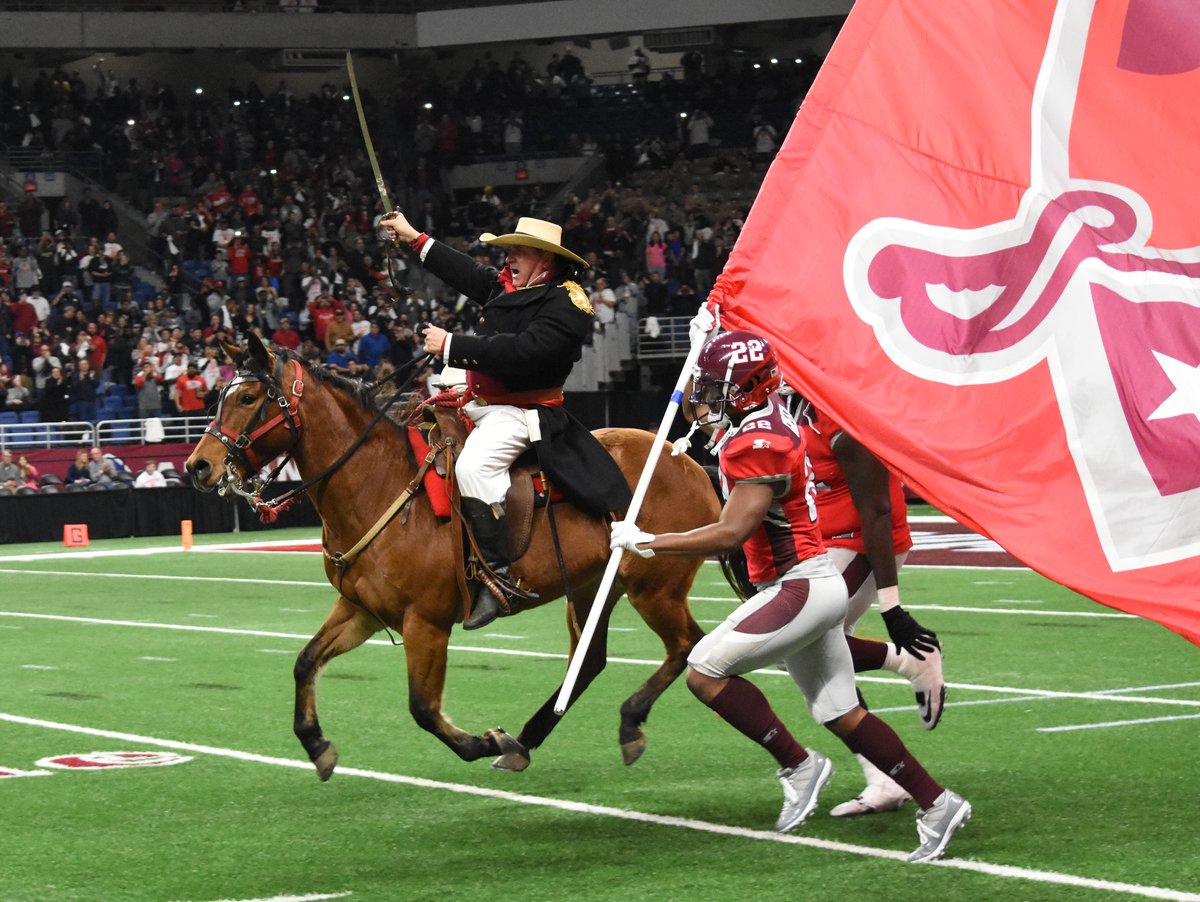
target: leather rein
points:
(240, 450)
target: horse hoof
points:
(631, 751)
(506, 744)
(326, 762)
(512, 761)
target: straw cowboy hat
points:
(537, 233)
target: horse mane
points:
(366, 394)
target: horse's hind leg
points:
(544, 720)
(657, 590)
(346, 628)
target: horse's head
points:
(256, 421)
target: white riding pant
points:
(500, 436)
(797, 619)
(864, 597)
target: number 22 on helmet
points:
(734, 374)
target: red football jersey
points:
(841, 527)
(768, 447)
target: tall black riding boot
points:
(491, 534)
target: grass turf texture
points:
(1107, 804)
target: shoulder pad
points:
(579, 297)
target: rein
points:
(240, 449)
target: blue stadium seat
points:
(30, 416)
(8, 416)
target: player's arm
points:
(868, 481)
(743, 513)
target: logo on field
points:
(109, 760)
(1070, 280)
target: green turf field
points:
(1074, 736)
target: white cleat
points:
(938, 823)
(873, 800)
(881, 794)
(928, 684)
(801, 787)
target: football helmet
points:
(734, 374)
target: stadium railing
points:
(15, 436)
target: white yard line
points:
(169, 578)
(682, 823)
(1115, 723)
(310, 897)
(718, 598)
(304, 637)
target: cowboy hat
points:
(537, 233)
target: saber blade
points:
(366, 133)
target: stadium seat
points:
(72, 487)
(26, 490)
(30, 416)
(8, 416)
(51, 489)
(4, 492)
(97, 487)
(50, 479)
(125, 476)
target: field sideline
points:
(1071, 727)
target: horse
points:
(408, 577)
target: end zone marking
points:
(961, 864)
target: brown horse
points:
(407, 577)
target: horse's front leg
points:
(425, 646)
(346, 628)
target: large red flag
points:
(979, 247)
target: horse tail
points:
(734, 566)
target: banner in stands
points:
(978, 249)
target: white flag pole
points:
(635, 506)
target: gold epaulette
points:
(579, 297)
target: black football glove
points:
(909, 635)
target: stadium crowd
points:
(261, 209)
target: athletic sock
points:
(747, 710)
(879, 744)
(867, 654)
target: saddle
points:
(526, 492)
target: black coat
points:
(529, 339)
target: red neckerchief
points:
(505, 277)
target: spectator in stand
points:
(766, 139)
(285, 336)
(339, 329)
(100, 468)
(85, 387)
(699, 134)
(604, 302)
(343, 362)
(656, 255)
(639, 68)
(122, 278)
(8, 467)
(77, 473)
(321, 312)
(150, 477)
(100, 267)
(56, 397)
(148, 384)
(373, 348)
(189, 392)
(43, 365)
(17, 397)
(29, 474)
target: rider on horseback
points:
(531, 332)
